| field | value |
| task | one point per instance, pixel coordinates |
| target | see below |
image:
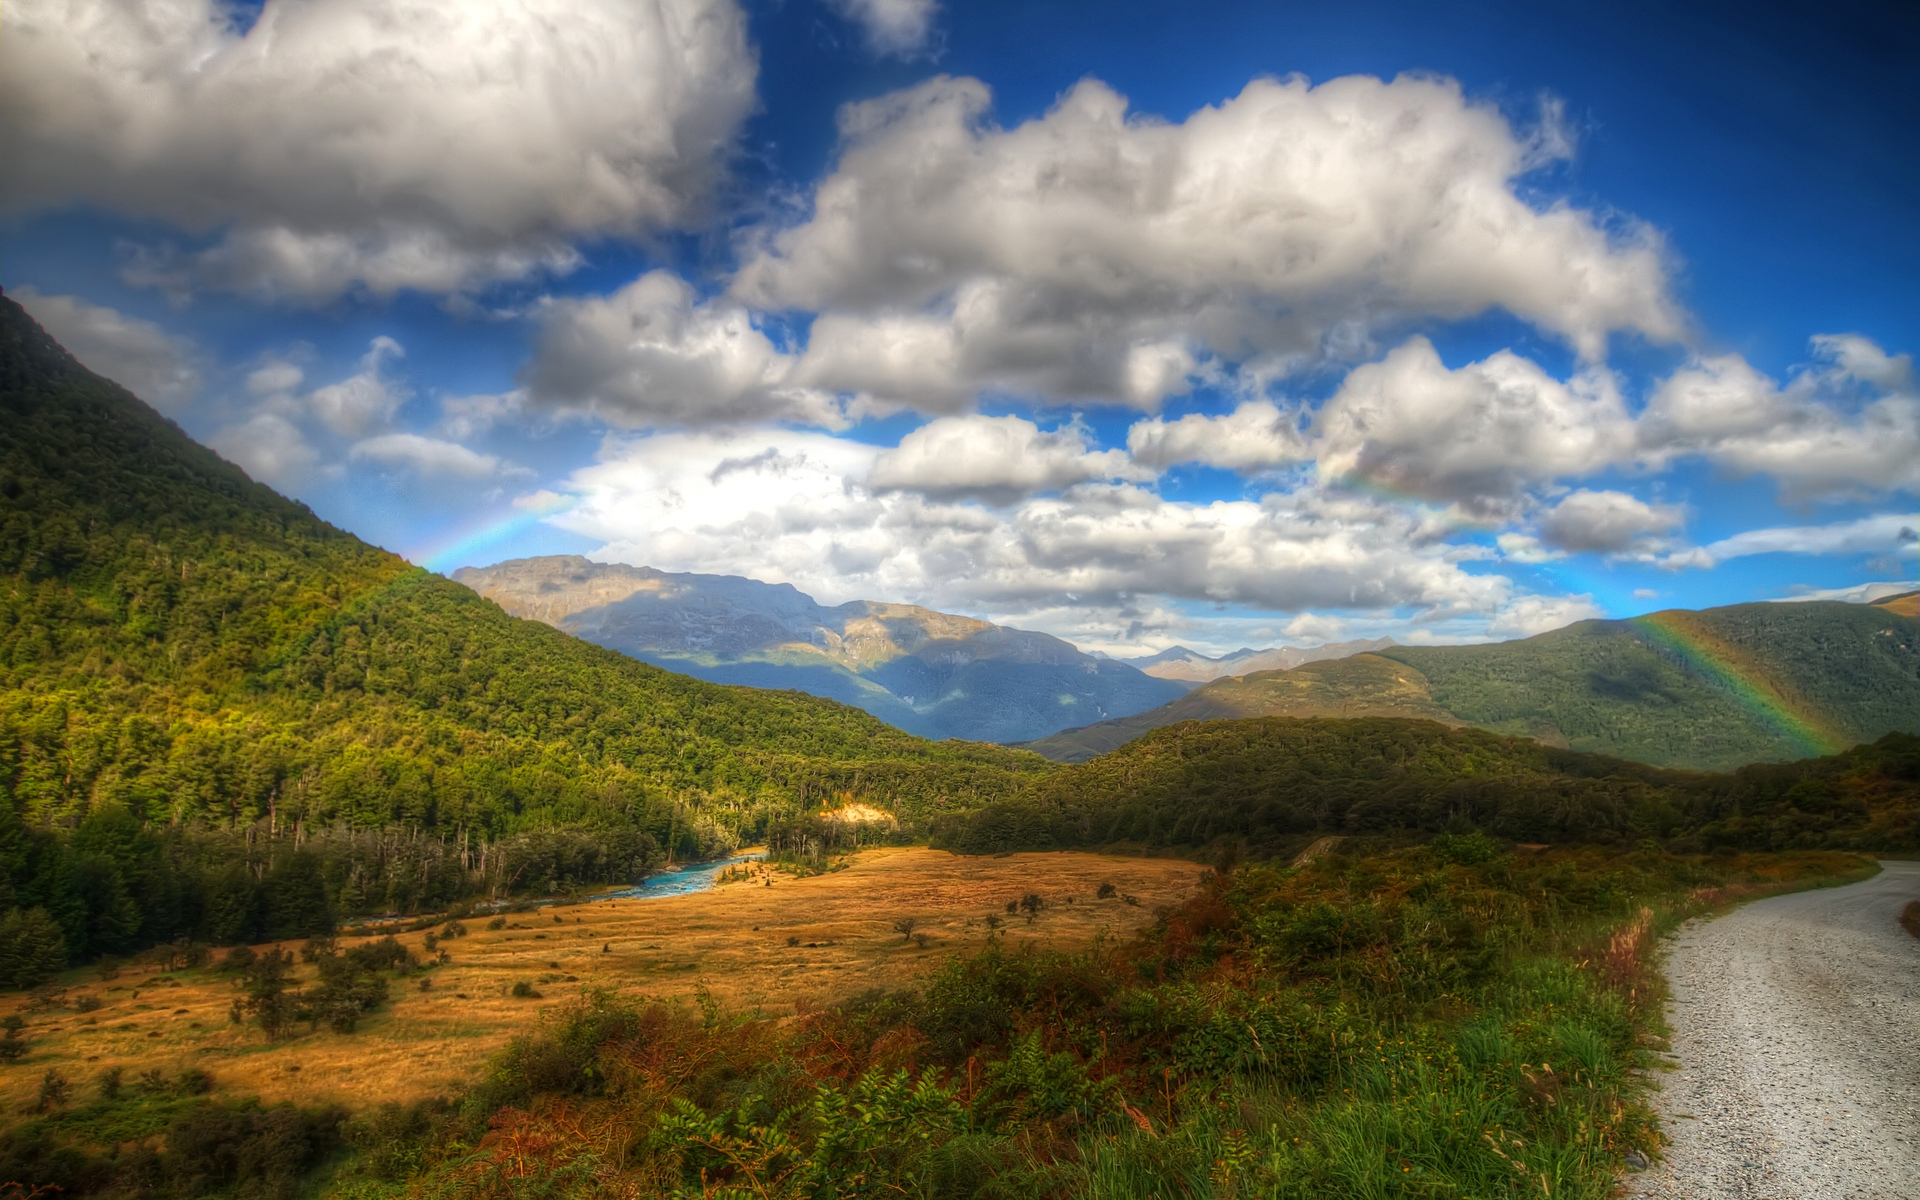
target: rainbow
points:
(1734, 671)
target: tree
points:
(269, 996)
(32, 948)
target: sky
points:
(1140, 324)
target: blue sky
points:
(1140, 324)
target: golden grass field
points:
(732, 940)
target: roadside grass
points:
(1441, 1021)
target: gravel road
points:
(1796, 1024)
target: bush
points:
(524, 991)
(247, 1148)
(346, 991)
(497, 923)
(1467, 849)
(55, 1092)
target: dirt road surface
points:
(1796, 1049)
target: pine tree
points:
(32, 948)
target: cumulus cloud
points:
(430, 456)
(1093, 254)
(1255, 435)
(365, 399)
(1883, 533)
(138, 355)
(653, 354)
(268, 447)
(343, 143)
(997, 459)
(1848, 424)
(893, 28)
(1476, 435)
(1606, 522)
(1527, 616)
(790, 506)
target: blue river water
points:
(694, 877)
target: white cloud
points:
(365, 400)
(1606, 522)
(895, 28)
(136, 354)
(374, 143)
(1883, 533)
(430, 456)
(1527, 616)
(1477, 435)
(998, 459)
(276, 375)
(1859, 593)
(268, 447)
(790, 506)
(1255, 435)
(464, 417)
(1860, 358)
(1525, 548)
(652, 354)
(1088, 254)
(1846, 426)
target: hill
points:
(1275, 783)
(930, 673)
(1191, 667)
(1708, 690)
(181, 648)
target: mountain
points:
(930, 673)
(1193, 668)
(1274, 784)
(181, 648)
(1708, 690)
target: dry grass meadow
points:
(733, 940)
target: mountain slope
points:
(1276, 783)
(930, 673)
(1709, 690)
(1187, 666)
(180, 641)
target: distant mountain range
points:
(1708, 690)
(929, 673)
(1193, 668)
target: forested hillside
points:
(1709, 690)
(1277, 783)
(184, 648)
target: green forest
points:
(211, 700)
(1710, 690)
(1276, 783)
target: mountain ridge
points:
(1186, 665)
(1721, 688)
(931, 673)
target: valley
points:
(731, 942)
